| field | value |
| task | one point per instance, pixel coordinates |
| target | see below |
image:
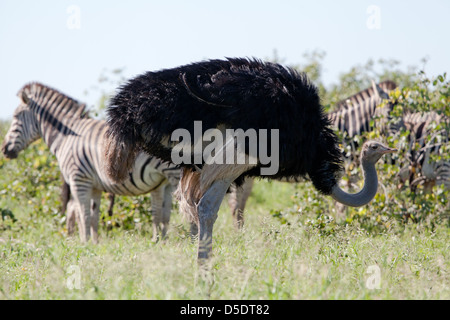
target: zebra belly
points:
(134, 187)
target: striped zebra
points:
(77, 142)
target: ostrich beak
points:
(389, 150)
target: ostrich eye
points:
(374, 147)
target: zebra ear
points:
(24, 97)
(375, 89)
(379, 93)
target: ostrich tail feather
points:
(120, 156)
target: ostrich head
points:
(371, 152)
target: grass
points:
(267, 260)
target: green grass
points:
(267, 260)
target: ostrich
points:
(234, 93)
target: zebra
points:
(354, 114)
(429, 172)
(77, 142)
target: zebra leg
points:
(111, 198)
(237, 201)
(71, 215)
(82, 197)
(68, 208)
(193, 232)
(233, 201)
(95, 216)
(166, 209)
(65, 197)
(157, 207)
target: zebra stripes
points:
(354, 114)
(77, 142)
(429, 172)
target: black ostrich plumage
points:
(239, 94)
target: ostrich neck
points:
(366, 194)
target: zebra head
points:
(23, 130)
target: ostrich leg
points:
(207, 214)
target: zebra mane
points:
(46, 96)
(386, 86)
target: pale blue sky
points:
(37, 45)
